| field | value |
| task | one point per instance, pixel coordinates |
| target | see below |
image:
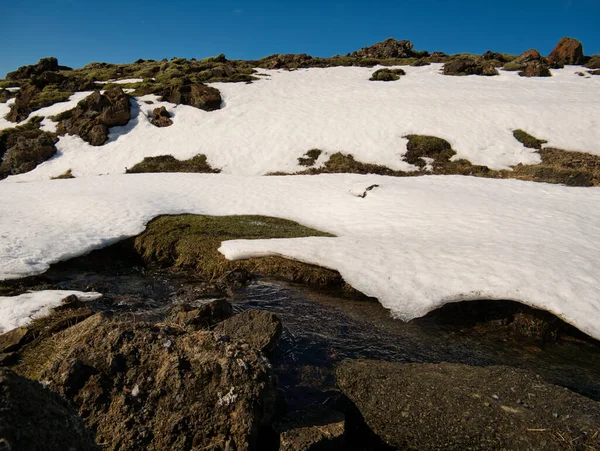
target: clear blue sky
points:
(80, 31)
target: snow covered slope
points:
(414, 243)
(266, 125)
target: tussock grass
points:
(168, 163)
(65, 175)
(527, 140)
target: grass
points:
(192, 242)
(168, 163)
(49, 96)
(310, 157)
(387, 75)
(420, 146)
(65, 175)
(527, 140)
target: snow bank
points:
(16, 311)
(414, 243)
(122, 81)
(265, 126)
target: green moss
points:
(387, 75)
(310, 157)
(49, 96)
(420, 146)
(168, 163)
(513, 67)
(527, 140)
(192, 241)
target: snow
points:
(123, 81)
(16, 311)
(413, 243)
(266, 125)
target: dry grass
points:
(527, 140)
(65, 175)
(168, 163)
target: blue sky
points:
(80, 31)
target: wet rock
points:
(315, 428)
(467, 66)
(390, 48)
(95, 114)
(258, 328)
(145, 386)
(49, 64)
(32, 418)
(535, 69)
(451, 406)
(23, 148)
(205, 316)
(593, 62)
(200, 96)
(161, 117)
(13, 339)
(567, 51)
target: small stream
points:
(322, 329)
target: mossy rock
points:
(387, 75)
(168, 163)
(527, 140)
(423, 146)
(513, 66)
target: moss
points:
(420, 146)
(387, 75)
(49, 96)
(527, 140)
(310, 157)
(192, 241)
(65, 175)
(168, 163)
(513, 67)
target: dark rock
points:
(205, 316)
(144, 386)
(390, 48)
(535, 69)
(49, 64)
(387, 75)
(13, 339)
(493, 56)
(594, 72)
(438, 57)
(468, 66)
(200, 96)
(71, 302)
(5, 94)
(48, 78)
(161, 117)
(23, 148)
(34, 418)
(315, 428)
(528, 56)
(20, 109)
(593, 62)
(94, 115)
(452, 406)
(258, 328)
(567, 51)
(421, 62)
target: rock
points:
(205, 316)
(49, 64)
(24, 147)
(288, 61)
(438, 57)
(390, 48)
(493, 56)
(527, 56)
(535, 69)
(5, 94)
(567, 51)
(71, 302)
(452, 406)
(20, 109)
(13, 339)
(161, 117)
(594, 72)
(146, 386)
(258, 328)
(467, 66)
(200, 96)
(387, 75)
(34, 418)
(95, 114)
(423, 146)
(48, 78)
(593, 62)
(315, 428)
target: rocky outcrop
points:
(21, 108)
(468, 66)
(451, 406)
(32, 417)
(529, 64)
(161, 117)
(200, 96)
(535, 69)
(390, 48)
(259, 328)
(49, 64)
(95, 114)
(23, 148)
(567, 51)
(288, 61)
(145, 386)
(593, 62)
(5, 94)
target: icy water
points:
(320, 330)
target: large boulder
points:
(390, 48)
(34, 418)
(199, 95)
(49, 64)
(452, 406)
(148, 386)
(95, 114)
(567, 51)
